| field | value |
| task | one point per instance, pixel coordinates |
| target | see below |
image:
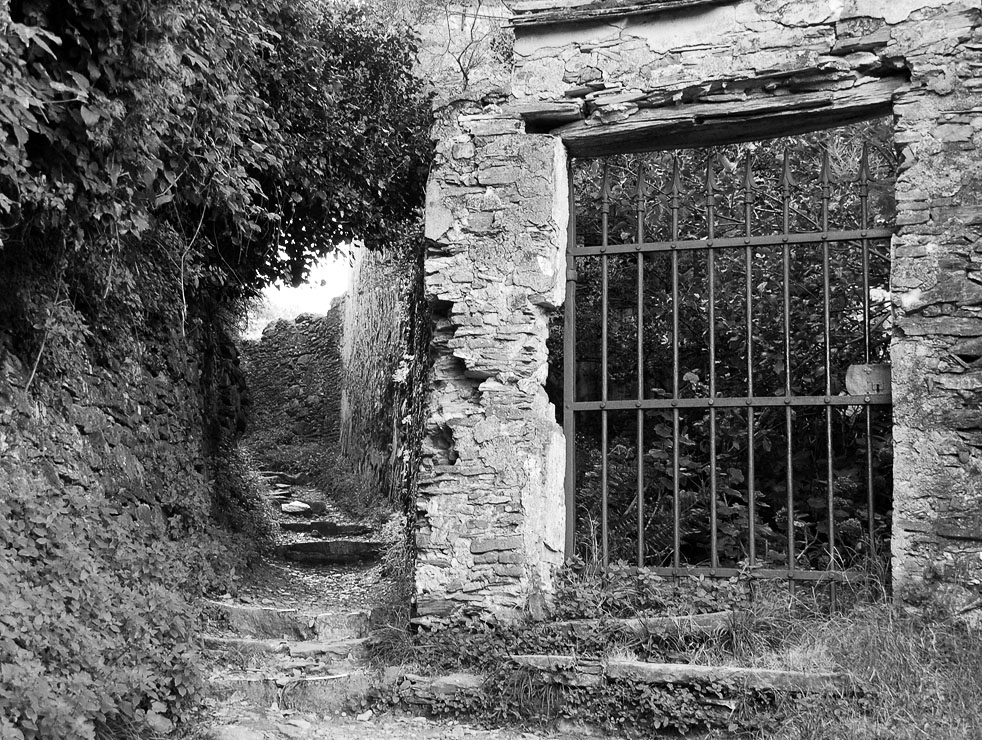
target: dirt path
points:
(250, 724)
(287, 651)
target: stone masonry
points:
(294, 376)
(592, 78)
(492, 482)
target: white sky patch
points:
(328, 279)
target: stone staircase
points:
(295, 637)
(296, 660)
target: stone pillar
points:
(491, 503)
(937, 287)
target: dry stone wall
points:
(132, 431)
(490, 498)
(294, 377)
(385, 362)
(598, 82)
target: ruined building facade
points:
(590, 78)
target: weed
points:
(911, 674)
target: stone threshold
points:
(694, 624)
(577, 671)
(550, 12)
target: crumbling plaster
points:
(491, 506)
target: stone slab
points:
(328, 552)
(327, 528)
(738, 677)
(265, 623)
(694, 624)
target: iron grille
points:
(726, 395)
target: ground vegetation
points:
(906, 672)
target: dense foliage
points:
(160, 161)
(741, 207)
(244, 139)
(96, 639)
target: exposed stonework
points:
(380, 428)
(491, 484)
(294, 377)
(709, 72)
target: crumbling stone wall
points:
(131, 431)
(491, 494)
(294, 377)
(592, 78)
(384, 369)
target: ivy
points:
(95, 635)
(243, 140)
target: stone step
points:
(797, 682)
(246, 645)
(332, 552)
(279, 476)
(321, 694)
(327, 528)
(354, 649)
(415, 689)
(713, 623)
(350, 651)
(266, 623)
(584, 671)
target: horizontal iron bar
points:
(838, 576)
(874, 399)
(774, 240)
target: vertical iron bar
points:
(569, 374)
(826, 184)
(711, 277)
(786, 183)
(748, 201)
(867, 343)
(604, 297)
(676, 503)
(640, 314)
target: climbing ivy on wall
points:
(241, 140)
(160, 161)
(386, 359)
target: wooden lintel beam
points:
(537, 13)
(545, 115)
(709, 124)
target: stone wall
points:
(131, 431)
(491, 493)
(379, 411)
(294, 377)
(591, 80)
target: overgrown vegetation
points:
(909, 672)
(160, 161)
(98, 638)
(742, 186)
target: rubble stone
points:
(492, 443)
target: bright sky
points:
(328, 279)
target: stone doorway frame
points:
(690, 128)
(497, 216)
